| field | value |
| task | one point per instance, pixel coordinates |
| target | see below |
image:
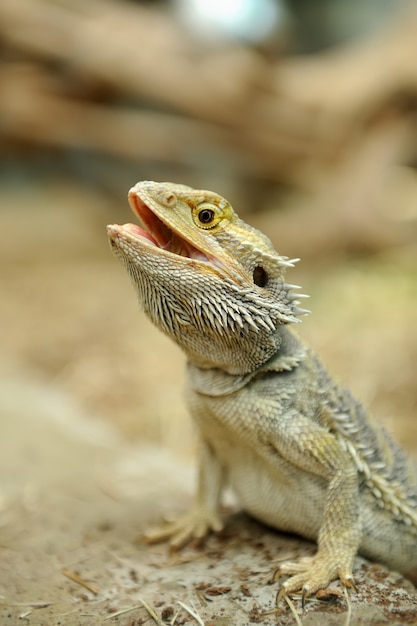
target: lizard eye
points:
(206, 216)
(260, 277)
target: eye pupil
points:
(206, 216)
(260, 277)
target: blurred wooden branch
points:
(348, 213)
(141, 53)
(32, 108)
(334, 121)
(275, 118)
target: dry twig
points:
(80, 581)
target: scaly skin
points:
(301, 453)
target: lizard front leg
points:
(204, 516)
(317, 451)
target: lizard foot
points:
(194, 525)
(311, 574)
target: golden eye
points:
(206, 216)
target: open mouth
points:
(159, 234)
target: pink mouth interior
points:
(158, 233)
(137, 231)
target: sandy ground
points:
(96, 444)
(76, 499)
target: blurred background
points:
(304, 118)
(302, 114)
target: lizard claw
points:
(306, 591)
(304, 595)
(285, 591)
(194, 525)
(312, 574)
(349, 581)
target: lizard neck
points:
(235, 354)
(218, 382)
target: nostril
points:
(169, 199)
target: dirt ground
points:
(96, 444)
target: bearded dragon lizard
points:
(300, 451)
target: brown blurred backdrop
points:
(305, 119)
(301, 113)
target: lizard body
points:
(301, 453)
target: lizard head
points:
(211, 282)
